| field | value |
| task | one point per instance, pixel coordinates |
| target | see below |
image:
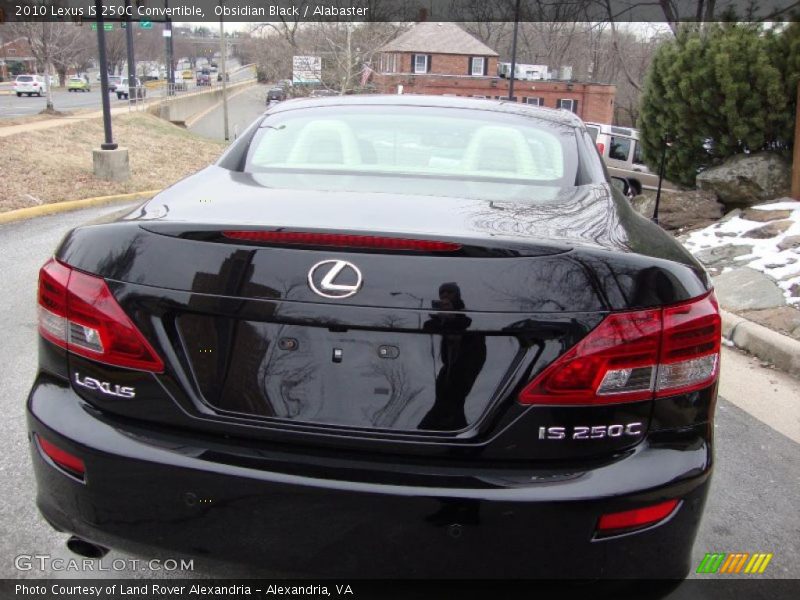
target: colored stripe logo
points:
(735, 563)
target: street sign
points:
(106, 27)
(145, 24)
(306, 69)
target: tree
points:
(713, 93)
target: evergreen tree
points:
(715, 93)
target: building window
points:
(421, 63)
(477, 66)
(534, 101)
(568, 104)
(388, 63)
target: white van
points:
(621, 151)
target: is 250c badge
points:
(590, 432)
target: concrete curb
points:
(60, 207)
(771, 346)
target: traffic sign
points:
(106, 27)
(146, 24)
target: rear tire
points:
(19, 94)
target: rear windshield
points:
(24, 78)
(435, 143)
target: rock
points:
(789, 242)
(721, 256)
(785, 319)
(769, 230)
(691, 209)
(731, 214)
(762, 216)
(748, 179)
(747, 289)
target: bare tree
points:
(53, 43)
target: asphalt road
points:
(752, 507)
(11, 106)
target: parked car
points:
(123, 90)
(29, 85)
(403, 336)
(204, 77)
(78, 84)
(113, 82)
(276, 94)
(621, 151)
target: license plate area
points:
(381, 380)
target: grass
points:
(54, 165)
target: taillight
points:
(601, 148)
(60, 457)
(635, 519)
(342, 240)
(634, 356)
(79, 313)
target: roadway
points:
(752, 506)
(11, 106)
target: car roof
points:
(501, 106)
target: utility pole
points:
(224, 58)
(131, 64)
(796, 158)
(513, 53)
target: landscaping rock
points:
(748, 179)
(789, 242)
(681, 210)
(785, 319)
(721, 256)
(731, 214)
(762, 216)
(747, 289)
(769, 230)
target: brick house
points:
(443, 59)
(16, 50)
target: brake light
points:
(634, 356)
(79, 313)
(62, 458)
(637, 518)
(601, 148)
(341, 240)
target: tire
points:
(19, 94)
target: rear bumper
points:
(146, 492)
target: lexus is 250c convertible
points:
(383, 335)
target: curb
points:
(60, 207)
(771, 346)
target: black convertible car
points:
(400, 336)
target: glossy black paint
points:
(413, 432)
(320, 512)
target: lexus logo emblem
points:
(334, 279)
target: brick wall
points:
(595, 102)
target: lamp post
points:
(101, 49)
(665, 143)
(513, 53)
(131, 63)
(224, 58)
